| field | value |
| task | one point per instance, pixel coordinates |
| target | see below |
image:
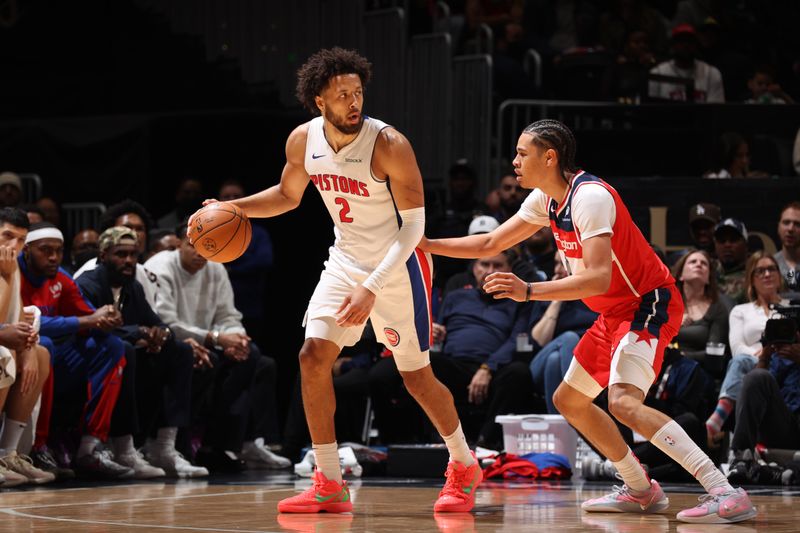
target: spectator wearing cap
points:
(730, 245)
(703, 218)
(86, 356)
(163, 379)
(132, 215)
(10, 189)
(705, 80)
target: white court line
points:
(12, 511)
(133, 500)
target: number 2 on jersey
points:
(343, 212)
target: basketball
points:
(220, 232)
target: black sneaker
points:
(219, 461)
(43, 459)
(741, 465)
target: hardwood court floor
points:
(381, 505)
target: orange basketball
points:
(220, 232)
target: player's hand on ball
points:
(356, 307)
(191, 218)
(505, 285)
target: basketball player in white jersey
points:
(368, 177)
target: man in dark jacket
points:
(164, 365)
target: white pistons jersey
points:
(364, 214)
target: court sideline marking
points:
(13, 511)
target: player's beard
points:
(342, 125)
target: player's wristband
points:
(528, 292)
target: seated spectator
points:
(730, 244)
(86, 356)
(196, 302)
(703, 218)
(163, 381)
(733, 159)
(706, 80)
(134, 216)
(628, 77)
(747, 322)
(10, 189)
(466, 279)
(84, 248)
(34, 213)
(20, 388)
(160, 240)
(556, 327)
(480, 336)
(455, 217)
(764, 90)
(788, 257)
(51, 210)
(248, 273)
(768, 408)
(705, 316)
(504, 201)
(188, 198)
(619, 21)
(540, 250)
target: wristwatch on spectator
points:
(215, 340)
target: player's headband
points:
(44, 233)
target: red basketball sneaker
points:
(323, 496)
(458, 494)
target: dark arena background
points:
(107, 100)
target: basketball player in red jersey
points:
(615, 272)
(373, 271)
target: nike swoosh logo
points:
(315, 156)
(323, 499)
(467, 490)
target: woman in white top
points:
(747, 322)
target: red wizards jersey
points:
(592, 207)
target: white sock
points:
(632, 472)
(9, 438)
(457, 446)
(673, 441)
(327, 458)
(123, 445)
(88, 444)
(165, 439)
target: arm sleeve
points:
(227, 318)
(593, 210)
(534, 208)
(411, 231)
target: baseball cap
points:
(682, 30)
(482, 224)
(737, 225)
(710, 212)
(10, 178)
(114, 235)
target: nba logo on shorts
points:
(392, 336)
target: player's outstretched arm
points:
(592, 281)
(286, 195)
(512, 231)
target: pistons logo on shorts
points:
(392, 336)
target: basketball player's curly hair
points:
(556, 135)
(315, 73)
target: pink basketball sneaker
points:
(721, 506)
(624, 500)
